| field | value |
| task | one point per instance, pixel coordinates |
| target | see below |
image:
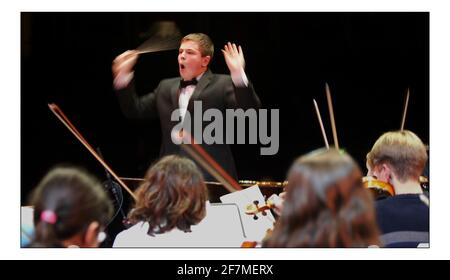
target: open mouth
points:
(182, 66)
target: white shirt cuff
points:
(122, 80)
(239, 78)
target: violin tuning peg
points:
(264, 213)
(255, 217)
(256, 202)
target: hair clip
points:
(48, 216)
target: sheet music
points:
(254, 229)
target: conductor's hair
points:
(204, 42)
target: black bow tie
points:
(184, 84)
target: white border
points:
(10, 124)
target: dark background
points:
(368, 59)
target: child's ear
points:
(91, 235)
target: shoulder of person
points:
(222, 78)
(169, 81)
(385, 202)
(128, 236)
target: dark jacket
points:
(214, 90)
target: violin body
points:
(382, 189)
(378, 188)
(249, 244)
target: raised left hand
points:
(234, 57)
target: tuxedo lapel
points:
(174, 94)
(202, 84)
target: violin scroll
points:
(254, 209)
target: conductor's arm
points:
(132, 106)
(243, 94)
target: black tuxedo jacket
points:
(214, 90)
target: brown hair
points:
(74, 198)
(403, 151)
(173, 195)
(326, 205)
(204, 42)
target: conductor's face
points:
(191, 63)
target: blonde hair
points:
(204, 42)
(401, 150)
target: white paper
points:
(255, 229)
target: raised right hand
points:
(122, 68)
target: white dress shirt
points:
(239, 79)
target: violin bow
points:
(330, 108)
(62, 117)
(321, 124)
(159, 43)
(208, 163)
(405, 109)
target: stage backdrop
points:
(368, 59)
